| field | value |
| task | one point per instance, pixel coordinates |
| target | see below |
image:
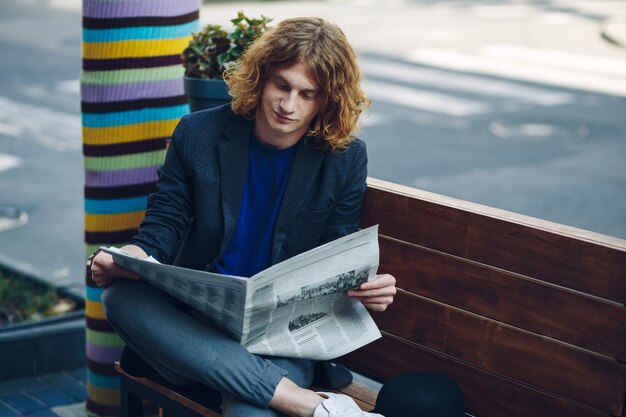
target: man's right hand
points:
(104, 270)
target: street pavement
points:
(517, 105)
(50, 395)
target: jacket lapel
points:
(306, 164)
(233, 157)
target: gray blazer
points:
(192, 215)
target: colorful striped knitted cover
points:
(132, 97)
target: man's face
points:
(289, 102)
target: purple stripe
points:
(121, 177)
(114, 9)
(103, 354)
(93, 93)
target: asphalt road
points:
(496, 104)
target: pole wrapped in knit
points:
(131, 99)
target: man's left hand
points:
(376, 294)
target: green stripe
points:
(89, 249)
(103, 339)
(140, 160)
(139, 75)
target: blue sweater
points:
(267, 173)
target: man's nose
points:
(288, 103)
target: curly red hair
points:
(325, 51)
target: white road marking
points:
(369, 120)
(54, 129)
(501, 66)
(8, 162)
(423, 100)
(69, 87)
(557, 59)
(460, 82)
(10, 130)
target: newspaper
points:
(296, 308)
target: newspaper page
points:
(297, 308)
(220, 298)
(293, 309)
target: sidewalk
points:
(51, 395)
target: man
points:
(243, 188)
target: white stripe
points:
(557, 59)
(369, 120)
(10, 130)
(462, 62)
(54, 129)
(423, 100)
(494, 88)
(69, 87)
(8, 162)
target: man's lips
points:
(281, 118)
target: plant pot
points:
(204, 94)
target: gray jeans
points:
(185, 350)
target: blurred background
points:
(519, 105)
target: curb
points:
(50, 345)
(613, 30)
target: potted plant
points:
(210, 52)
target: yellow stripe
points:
(105, 396)
(94, 310)
(128, 133)
(135, 48)
(113, 222)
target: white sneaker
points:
(339, 405)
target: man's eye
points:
(282, 86)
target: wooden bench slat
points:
(537, 249)
(365, 397)
(508, 351)
(486, 394)
(562, 314)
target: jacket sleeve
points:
(170, 208)
(346, 214)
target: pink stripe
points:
(103, 354)
(121, 177)
(93, 93)
(112, 9)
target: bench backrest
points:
(526, 315)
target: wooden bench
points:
(526, 315)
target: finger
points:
(103, 281)
(106, 267)
(376, 300)
(380, 281)
(385, 291)
(376, 307)
(118, 271)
